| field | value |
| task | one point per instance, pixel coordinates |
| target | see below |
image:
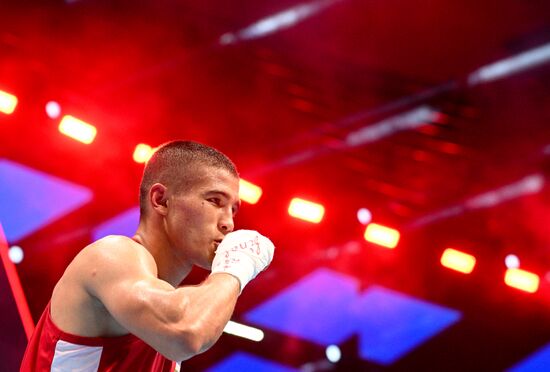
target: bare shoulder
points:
(118, 250)
(116, 247)
(75, 305)
(109, 259)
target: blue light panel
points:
(315, 308)
(124, 223)
(30, 199)
(538, 361)
(246, 362)
(326, 307)
(391, 324)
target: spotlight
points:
(16, 254)
(143, 153)
(53, 109)
(8, 102)
(522, 280)
(458, 261)
(333, 353)
(306, 210)
(382, 235)
(512, 261)
(77, 129)
(364, 216)
(249, 192)
(241, 330)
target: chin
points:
(206, 263)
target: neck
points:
(171, 267)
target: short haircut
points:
(175, 164)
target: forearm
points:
(185, 321)
(208, 308)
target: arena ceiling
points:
(451, 158)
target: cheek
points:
(199, 218)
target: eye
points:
(215, 201)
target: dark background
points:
(281, 106)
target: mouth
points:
(217, 242)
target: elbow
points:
(191, 344)
(192, 341)
(183, 347)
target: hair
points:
(175, 163)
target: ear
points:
(158, 198)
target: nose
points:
(226, 224)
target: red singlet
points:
(50, 349)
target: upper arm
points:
(122, 275)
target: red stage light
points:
(143, 153)
(523, 280)
(249, 192)
(8, 102)
(382, 235)
(306, 210)
(458, 261)
(77, 129)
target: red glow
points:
(17, 289)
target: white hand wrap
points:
(243, 254)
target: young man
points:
(118, 306)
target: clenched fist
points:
(243, 254)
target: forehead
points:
(210, 178)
